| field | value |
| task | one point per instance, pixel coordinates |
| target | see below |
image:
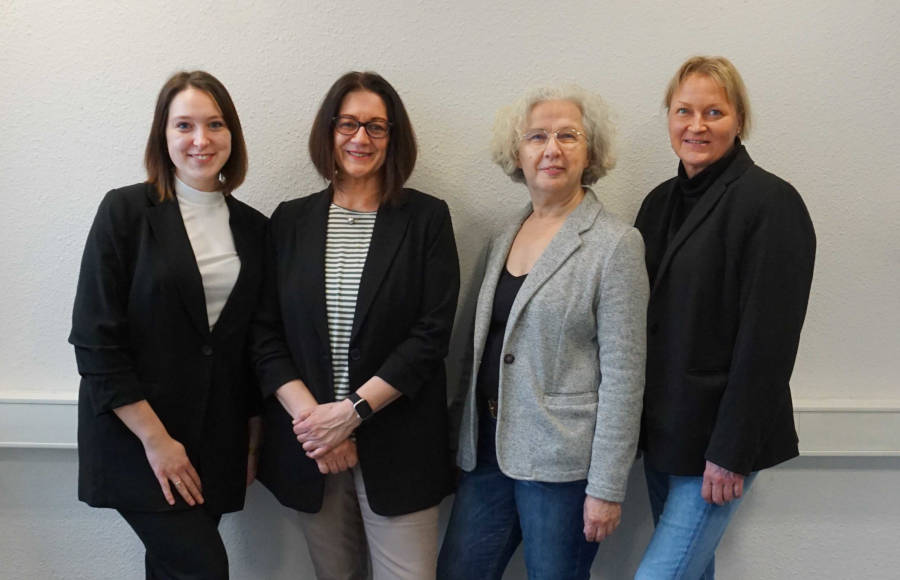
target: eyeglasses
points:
(346, 125)
(539, 138)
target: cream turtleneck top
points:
(205, 216)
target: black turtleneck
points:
(689, 190)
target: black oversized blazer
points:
(727, 302)
(140, 331)
(404, 313)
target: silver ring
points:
(177, 483)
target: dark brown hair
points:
(160, 169)
(401, 151)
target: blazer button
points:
(206, 349)
(355, 354)
(509, 358)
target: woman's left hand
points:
(601, 518)
(720, 486)
(321, 428)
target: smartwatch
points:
(360, 405)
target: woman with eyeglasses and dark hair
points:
(349, 343)
(553, 372)
(730, 252)
(170, 277)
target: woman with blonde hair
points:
(730, 250)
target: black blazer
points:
(727, 302)
(140, 331)
(404, 313)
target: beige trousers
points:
(345, 537)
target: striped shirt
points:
(346, 247)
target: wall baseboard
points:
(827, 427)
(851, 427)
(35, 420)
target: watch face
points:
(362, 407)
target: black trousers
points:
(181, 545)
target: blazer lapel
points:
(310, 234)
(390, 229)
(168, 227)
(701, 211)
(496, 261)
(563, 245)
(246, 243)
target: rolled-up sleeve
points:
(410, 364)
(269, 350)
(100, 335)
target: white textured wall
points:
(77, 86)
(78, 82)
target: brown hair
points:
(160, 169)
(401, 151)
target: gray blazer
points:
(572, 378)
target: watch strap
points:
(360, 405)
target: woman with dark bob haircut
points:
(171, 273)
(349, 344)
(730, 251)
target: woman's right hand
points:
(167, 456)
(341, 458)
(170, 462)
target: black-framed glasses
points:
(567, 137)
(347, 125)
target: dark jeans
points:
(181, 545)
(493, 513)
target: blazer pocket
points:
(570, 399)
(707, 379)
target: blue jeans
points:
(688, 529)
(493, 513)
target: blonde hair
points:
(721, 70)
(510, 123)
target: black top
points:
(689, 190)
(489, 371)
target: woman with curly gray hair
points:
(553, 371)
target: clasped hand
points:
(321, 428)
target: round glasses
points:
(347, 125)
(567, 137)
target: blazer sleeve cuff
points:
(108, 392)
(604, 492)
(400, 375)
(276, 374)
